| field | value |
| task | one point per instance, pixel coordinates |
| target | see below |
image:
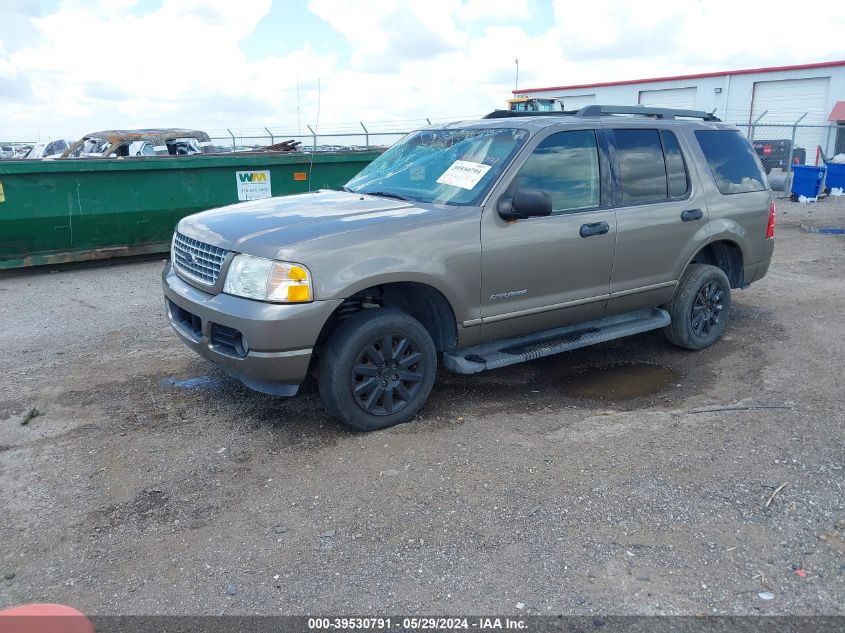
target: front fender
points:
(368, 273)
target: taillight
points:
(767, 149)
(770, 228)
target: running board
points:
(471, 360)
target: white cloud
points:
(493, 10)
(21, 7)
(383, 33)
(669, 33)
(107, 63)
(98, 66)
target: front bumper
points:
(278, 338)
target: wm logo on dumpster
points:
(253, 185)
(253, 176)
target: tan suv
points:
(477, 244)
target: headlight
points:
(268, 280)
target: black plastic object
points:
(526, 203)
(471, 360)
(604, 110)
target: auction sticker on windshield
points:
(464, 174)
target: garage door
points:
(788, 99)
(683, 98)
(576, 102)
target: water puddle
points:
(827, 230)
(620, 381)
(196, 382)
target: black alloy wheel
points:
(388, 374)
(377, 369)
(707, 309)
(700, 307)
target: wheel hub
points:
(707, 308)
(387, 374)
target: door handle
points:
(692, 214)
(597, 228)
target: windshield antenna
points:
(316, 131)
(298, 119)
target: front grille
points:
(228, 340)
(197, 260)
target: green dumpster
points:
(72, 210)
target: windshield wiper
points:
(346, 189)
(384, 194)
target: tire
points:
(367, 390)
(699, 308)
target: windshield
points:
(90, 147)
(441, 166)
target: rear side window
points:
(641, 165)
(732, 161)
(566, 165)
(676, 170)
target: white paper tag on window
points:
(463, 174)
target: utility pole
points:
(516, 83)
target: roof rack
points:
(605, 110)
(658, 113)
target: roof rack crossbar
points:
(605, 110)
(658, 113)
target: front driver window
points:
(566, 166)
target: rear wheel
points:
(377, 369)
(699, 308)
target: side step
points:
(471, 360)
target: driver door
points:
(545, 272)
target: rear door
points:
(661, 213)
(737, 193)
(544, 272)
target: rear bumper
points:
(275, 341)
(756, 271)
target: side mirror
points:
(526, 203)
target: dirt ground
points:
(590, 482)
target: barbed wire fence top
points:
(344, 135)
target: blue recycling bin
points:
(807, 180)
(835, 175)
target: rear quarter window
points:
(732, 161)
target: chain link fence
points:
(332, 137)
(354, 135)
(780, 144)
(783, 145)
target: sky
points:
(68, 67)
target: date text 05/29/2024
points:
(378, 624)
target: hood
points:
(263, 227)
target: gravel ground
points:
(584, 483)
